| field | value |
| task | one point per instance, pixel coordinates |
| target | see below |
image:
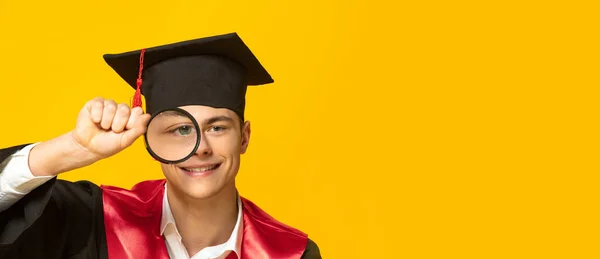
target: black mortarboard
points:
(212, 71)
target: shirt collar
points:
(235, 239)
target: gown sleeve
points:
(311, 251)
(59, 219)
(16, 178)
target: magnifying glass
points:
(172, 136)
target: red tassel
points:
(137, 98)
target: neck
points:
(204, 222)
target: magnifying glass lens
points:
(172, 135)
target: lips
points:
(200, 169)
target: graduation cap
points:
(212, 71)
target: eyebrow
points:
(208, 121)
(171, 114)
(217, 119)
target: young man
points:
(195, 212)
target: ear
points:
(245, 136)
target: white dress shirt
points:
(176, 249)
(16, 181)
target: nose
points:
(204, 148)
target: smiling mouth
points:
(201, 169)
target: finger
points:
(143, 122)
(135, 114)
(95, 107)
(121, 118)
(108, 114)
(138, 129)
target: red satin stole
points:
(132, 225)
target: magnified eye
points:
(184, 130)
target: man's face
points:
(222, 141)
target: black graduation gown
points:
(62, 219)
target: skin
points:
(206, 201)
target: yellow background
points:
(398, 129)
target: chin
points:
(202, 188)
(200, 192)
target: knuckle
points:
(123, 107)
(110, 107)
(94, 101)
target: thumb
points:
(137, 129)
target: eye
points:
(216, 128)
(184, 130)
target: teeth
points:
(201, 169)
